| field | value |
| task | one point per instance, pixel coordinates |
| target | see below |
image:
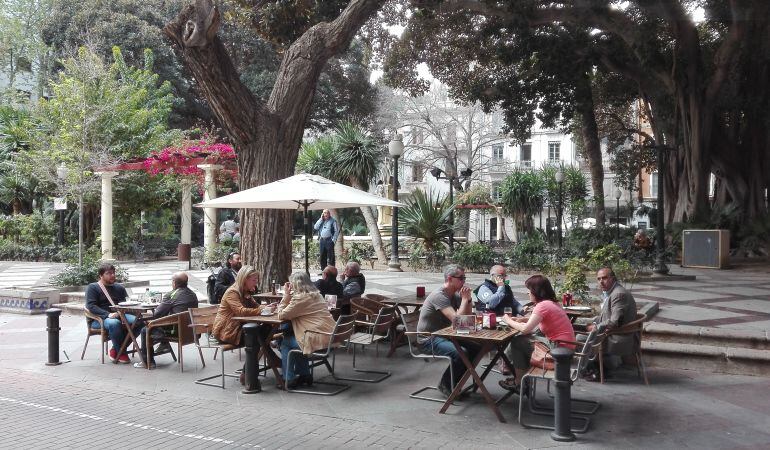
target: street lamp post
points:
(464, 175)
(396, 149)
(618, 194)
(61, 174)
(560, 206)
(660, 264)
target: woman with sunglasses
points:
(238, 302)
(547, 315)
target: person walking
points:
(328, 232)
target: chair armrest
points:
(363, 322)
(92, 316)
(172, 319)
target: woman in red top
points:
(547, 315)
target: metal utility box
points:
(705, 248)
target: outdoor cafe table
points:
(488, 340)
(405, 301)
(137, 310)
(269, 297)
(264, 344)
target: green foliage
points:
(610, 256)
(298, 252)
(77, 275)
(522, 194)
(360, 252)
(29, 229)
(426, 218)
(478, 194)
(475, 257)
(754, 238)
(530, 253)
(573, 280)
(422, 259)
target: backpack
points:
(211, 281)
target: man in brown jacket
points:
(304, 306)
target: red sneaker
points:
(113, 354)
(124, 359)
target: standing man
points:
(494, 295)
(180, 299)
(328, 231)
(98, 303)
(438, 311)
(226, 276)
(228, 227)
(618, 309)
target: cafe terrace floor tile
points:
(760, 325)
(742, 290)
(685, 295)
(756, 305)
(692, 313)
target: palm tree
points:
(426, 217)
(358, 161)
(523, 196)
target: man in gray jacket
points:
(618, 309)
(180, 299)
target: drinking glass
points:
(508, 310)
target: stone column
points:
(209, 214)
(186, 232)
(499, 230)
(107, 214)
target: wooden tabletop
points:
(493, 336)
(268, 296)
(272, 319)
(405, 300)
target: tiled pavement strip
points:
(84, 403)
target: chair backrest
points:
(384, 319)
(343, 329)
(376, 297)
(631, 327)
(364, 307)
(186, 335)
(409, 322)
(591, 347)
(202, 321)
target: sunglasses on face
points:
(459, 278)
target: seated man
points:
(618, 309)
(99, 297)
(329, 284)
(494, 295)
(226, 276)
(353, 285)
(438, 311)
(180, 299)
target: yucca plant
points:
(522, 196)
(426, 217)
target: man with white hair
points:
(495, 295)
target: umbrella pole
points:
(307, 239)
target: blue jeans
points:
(299, 364)
(115, 329)
(445, 347)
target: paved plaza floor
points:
(84, 403)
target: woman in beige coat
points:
(304, 306)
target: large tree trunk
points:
(267, 135)
(593, 149)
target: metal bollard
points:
(562, 426)
(251, 342)
(52, 326)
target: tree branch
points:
(728, 50)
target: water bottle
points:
(147, 295)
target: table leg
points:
(264, 345)
(124, 346)
(471, 371)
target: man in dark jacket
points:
(98, 304)
(226, 276)
(494, 295)
(180, 299)
(329, 284)
(353, 285)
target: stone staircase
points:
(718, 350)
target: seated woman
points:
(548, 315)
(304, 306)
(237, 301)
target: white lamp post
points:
(618, 194)
(396, 149)
(559, 182)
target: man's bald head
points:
(179, 279)
(330, 273)
(497, 270)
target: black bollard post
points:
(562, 426)
(53, 336)
(251, 343)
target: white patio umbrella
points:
(305, 191)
